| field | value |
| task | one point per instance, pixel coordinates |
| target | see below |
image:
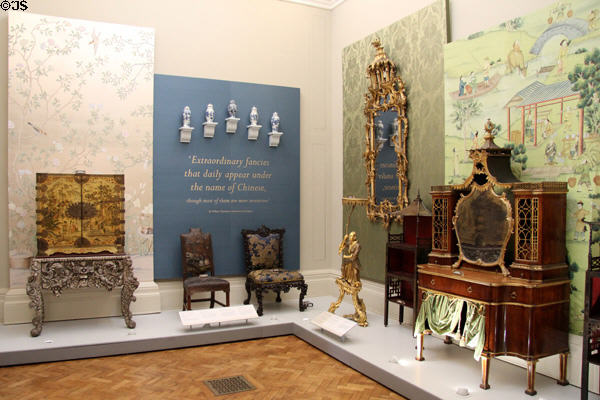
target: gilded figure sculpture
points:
(349, 282)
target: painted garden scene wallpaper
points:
(80, 99)
(537, 78)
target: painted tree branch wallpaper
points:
(80, 98)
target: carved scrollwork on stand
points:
(57, 274)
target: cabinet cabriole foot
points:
(531, 378)
(485, 372)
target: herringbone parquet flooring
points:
(282, 367)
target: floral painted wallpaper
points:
(80, 98)
(536, 77)
(418, 55)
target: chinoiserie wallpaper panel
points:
(418, 55)
(80, 98)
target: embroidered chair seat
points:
(275, 275)
(263, 255)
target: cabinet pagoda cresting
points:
(498, 249)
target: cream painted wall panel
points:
(4, 276)
(318, 243)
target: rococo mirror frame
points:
(386, 92)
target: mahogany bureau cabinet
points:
(518, 281)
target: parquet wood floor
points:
(283, 367)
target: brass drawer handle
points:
(470, 289)
(513, 295)
(432, 282)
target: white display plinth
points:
(334, 324)
(232, 123)
(274, 138)
(209, 129)
(253, 131)
(185, 134)
(214, 315)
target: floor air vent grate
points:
(234, 384)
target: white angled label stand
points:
(213, 315)
(332, 323)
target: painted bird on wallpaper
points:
(95, 41)
(38, 130)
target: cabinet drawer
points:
(456, 287)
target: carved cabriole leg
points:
(337, 303)
(419, 356)
(248, 290)
(278, 299)
(34, 291)
(303, 290)
(485, 372)
(130, 284)
(259, 299)
(531, 377)
(562, 380)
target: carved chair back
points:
(263, 248)
(196, 253)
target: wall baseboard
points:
(80, 303)
(168, 295)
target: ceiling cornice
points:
(325, 4)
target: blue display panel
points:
(225, 183)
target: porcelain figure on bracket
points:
(232, 120)
(275, 134)
(209, 125)
(253, 128)
(185, 132)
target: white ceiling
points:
(326, 4)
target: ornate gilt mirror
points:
(386, 132)
(483, 223)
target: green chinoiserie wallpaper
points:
(418, 55)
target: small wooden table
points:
(58, 273)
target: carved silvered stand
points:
(56, 274)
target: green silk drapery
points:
(442, 313)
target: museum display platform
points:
(385, 354)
